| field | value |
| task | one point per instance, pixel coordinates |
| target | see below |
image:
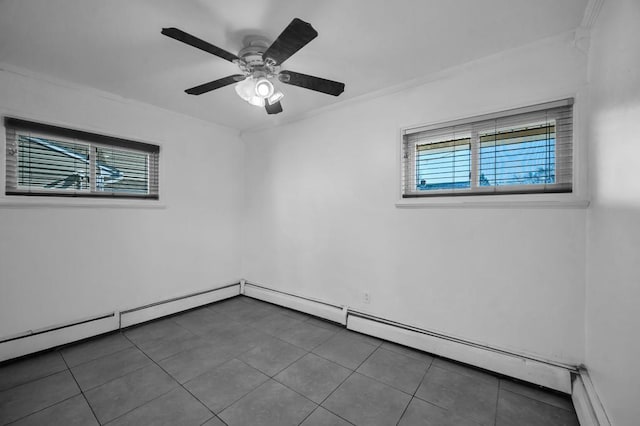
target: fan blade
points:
(216, 84)
(200, 44)
(297, 34)
(273, 109)
(310, 82)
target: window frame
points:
(93, 141)
(493, 196)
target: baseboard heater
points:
(163, 308)
(45, 338)
(541, 372)
(33, 341)
(307, 305)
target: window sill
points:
(64, 202)
(526, 201)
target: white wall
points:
(613, 220)
(321, 219)
(60, 264)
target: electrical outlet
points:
(366, 297)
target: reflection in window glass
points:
(443, 165)
(519, 156)
(52, 164)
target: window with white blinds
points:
(528, 150)
(44, 160)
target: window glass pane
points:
(122, 171)
(443, 165)
(518, 156)
(51, 164)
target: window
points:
(528, 150)
(47, 160)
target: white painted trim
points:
(39, 340)
(310, 306)
(167, 307)
(586, 402)
(520, 201)
(496, 360)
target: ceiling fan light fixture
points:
(256, 101)
(246, 88)
(276, 97)
(264, 88)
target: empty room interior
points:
(320, 213)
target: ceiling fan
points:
(260, 63)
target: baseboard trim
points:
(33, 341)
(50, 337)
(307, 305)
(522, 367)
(163, 308)
(586, 402)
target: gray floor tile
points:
(467, 396)
(394, 369)
(175, 408)
(329, 325)
(345, 350)
(123, 394)
(465, 370)
(295, 314)
(514, 409)
(170, 344)
(364, 401)
(20, 401)
(272, 356)
(538, 393)
(240, 311)
(199, 321)
(421, 413)
(28, 369)
(411, 353)
(305, 336)
(363, 337)
(191, 363)
(72, 412)
(322, 417)
(94, 348)
(225, 384)
(275, 323)
(97, 372)
(271, 404)
(153, 330)
(313, 377)
(237, 342)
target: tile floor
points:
(245, 362)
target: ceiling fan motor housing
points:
(251, 61)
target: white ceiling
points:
(116, 45)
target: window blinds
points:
(52, 161)
(528, 150)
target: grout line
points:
(81, 391)
(36, 378)
(413, 395)
(180, 385)
(495, 418)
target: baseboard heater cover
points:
(310, 306)
(171, 306)
(539, 372)
(50, 337)
(586, 402)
